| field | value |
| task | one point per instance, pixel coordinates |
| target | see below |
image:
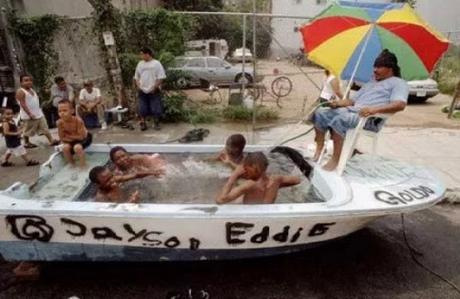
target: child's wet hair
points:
(65, 102)
(95, 172)
(114, 150)
(236, 141)
(258, 159)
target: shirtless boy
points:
(73, 133)
(259, 188)
(109, 186)
(128, 163)
(233, 153)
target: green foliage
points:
(159, 29)
(202, 5)
(128, 63)
(203, 115)
(448, 71)
(177, 111)
(37, 35)
(242, 113)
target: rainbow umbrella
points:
(347, 37)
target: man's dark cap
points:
(388, 59)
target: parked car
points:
(421, 90)
(210, 69)
(237, 55)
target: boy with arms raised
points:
(73, 133)
(259, 188)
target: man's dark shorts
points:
(151, 104)
(84, 143)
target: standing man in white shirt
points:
(31, 113)
(148, 78)
(90, 102)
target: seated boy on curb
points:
(233, 154)
(109, 188)
(73, 133)
(13, 140)
(259, 188)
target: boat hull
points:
(57, 238)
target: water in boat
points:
(189, 179)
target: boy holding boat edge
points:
(259, 188)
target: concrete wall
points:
(79, 54)
(74, 8)
(283, 29)
(71, 8)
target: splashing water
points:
(190, 178)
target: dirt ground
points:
(304, 93)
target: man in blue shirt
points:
(386, 94)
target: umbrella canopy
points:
(342, 34)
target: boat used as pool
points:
(55, 219)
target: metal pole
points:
(254, 62)
(244, 56)
(368, 37)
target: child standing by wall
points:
(13, 140)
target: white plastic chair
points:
(351, 138)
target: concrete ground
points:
(371, 263)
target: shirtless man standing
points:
(259, 188)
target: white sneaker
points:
(104, 126)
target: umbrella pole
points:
(360, 58)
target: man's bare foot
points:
(331, 165)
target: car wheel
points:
(417, 100)
(182, 83)
(239, 78)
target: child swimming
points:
(109, 185)
(127, 163)
(259, 187)
(233, 154)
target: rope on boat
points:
(413, 253)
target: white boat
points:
(52, 228)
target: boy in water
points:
(233, 153)
(129, 163)
(73, 133)
(109, 188)
(13, 140)
(259, 188)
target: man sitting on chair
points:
(91, 102)
(387, 93)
